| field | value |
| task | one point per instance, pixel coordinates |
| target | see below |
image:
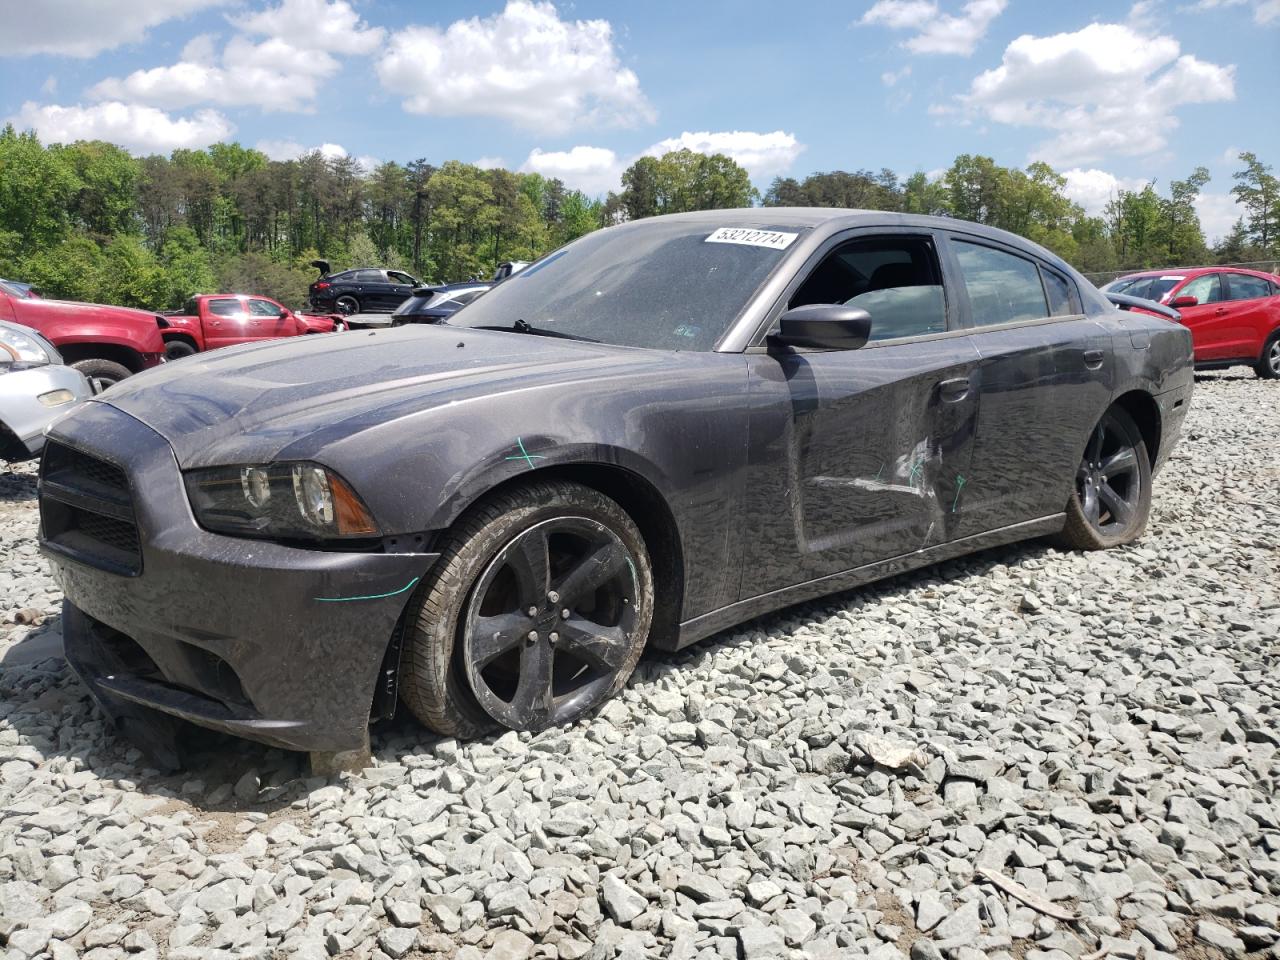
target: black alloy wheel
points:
(551, 628)
(347, 305)
(1112, 496)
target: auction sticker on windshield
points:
(753, 238)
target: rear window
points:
(414, 304)
(1063, 300)
(1245, 287)
(224, 308)
(1002, 287)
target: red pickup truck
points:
(104, 343)
(213, 320)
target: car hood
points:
(291, 398)
(39, 307)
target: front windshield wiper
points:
(523, 326)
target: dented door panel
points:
(855, 456)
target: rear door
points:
(225, 322)
(859, 455)
(1045, 376)
(1251, 314)
(1206, 319)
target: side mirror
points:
(1179, 302)
(831, 326)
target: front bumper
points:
(277, 644)
(21, 410)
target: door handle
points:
(1220, 311)
(954, 389)
(1093, 359)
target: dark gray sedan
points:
(661, 430)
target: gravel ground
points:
(1023, 754)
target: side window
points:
(1063, 299)
(397, 277)
(895, 279)
(224, 308)
(1244, 287)
(1206, 289)
(263, 308)
(368, 276)
(1003, 288)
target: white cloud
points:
(891, 78)
(140, 129)
(1264, 11)
(593, 170)
(85, 28)
(762, 154)
(1218, 213)
(491, 163)
(1093, 189)
(935, 31)
(524, 65)
(597, 170)
(1104, 90)
(285, 71)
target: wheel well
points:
(174, 335)
(75, 352)
(650, 513)
(1142, 407)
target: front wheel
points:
(101, 374)
(536, 612)
(1268, 366)
(177, 349)
(1112, 499)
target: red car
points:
(215, 320)
(1233, 314)
(104, 343)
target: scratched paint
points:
(959, 486)
(525, 455)
(374, 596)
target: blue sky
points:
(1109, 94)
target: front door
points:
(268, 319)
(860, 455)
(1046, 375)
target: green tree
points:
(1258, 191)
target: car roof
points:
(1191, 272)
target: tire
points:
(444, 680)
(1268, 366)
(346, 305)
(1095, 520)
(102, 374)
(177, 349)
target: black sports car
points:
(359, 290)
(425, 305)
(658, 431)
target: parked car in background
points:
(36, 388)
(1233, 314)
(104, 343)
(18, 288)
(215, 320)
(359, 290)
(505, 270)
(490, 518)
(425, 305)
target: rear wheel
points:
(102, 374)
(1268, 366)
(537, 612)
(1112, 499)
(347, 305)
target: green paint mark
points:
(375, 596)
(635, 581)
(525, 455)
(959, 487)
(915, 471)
(880, 472)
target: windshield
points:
(1148, 288)
(654, 283)
(414, 304)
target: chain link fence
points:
(1104, 277)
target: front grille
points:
(86, 510)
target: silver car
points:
(36, 388)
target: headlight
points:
(278, 501)
(23, 348)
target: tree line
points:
(89, 221)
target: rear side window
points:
(1241, 286)
(895, 279)
(224, 308)
(1063, 299)
(368, 276)
(1002, 287)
